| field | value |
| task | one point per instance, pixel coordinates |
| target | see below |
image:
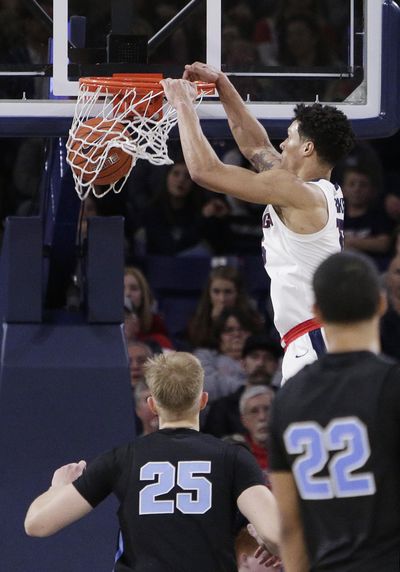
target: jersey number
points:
(340, 227)
(348, 436)
(198, 501)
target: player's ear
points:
(203, 400)
(152, 405)
(242, 561)
(308, 147)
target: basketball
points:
(86, 149)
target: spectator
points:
(138, 353)
(302, 44)
(223, 369)
(245, 547)
(392, 197)
(363, 157)
(173, 221)
(396, 241)
(239, 13)
(254, 406)
(390, 321)
(242, 56)
(142, 322)
(224, 289)
(234, 222)
(264, 37)
(366, 226)
(260, 358)
(148, 419)
(287, 9)
(27, 43)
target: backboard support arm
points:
(172, 25)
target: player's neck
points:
(363, 336)
(310, 171)
(189, 423)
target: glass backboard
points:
(277, 53)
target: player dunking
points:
(335, 435)
(303, 219)
(178, 489)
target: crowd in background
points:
(166, 214)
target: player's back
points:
(337, 425)
(179, 508)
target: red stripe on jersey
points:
(300, 330)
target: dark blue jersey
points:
(177, 490)
(336, 426)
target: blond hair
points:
(175, 380)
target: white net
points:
(114, 126)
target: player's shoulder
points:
(129, 448)
(228, 443)
(377, 367)
(391, 371)
(325, 188)
(364, 365)
(324, 183)
(229, 447)
(123, 451)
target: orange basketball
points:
(84, 156)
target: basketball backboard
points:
(343, 52)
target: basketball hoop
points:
(117, 121)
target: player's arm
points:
(277, 186)
(250, 136)
(59, 506)
(258, 505)
(292, 544)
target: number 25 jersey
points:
(177, 490)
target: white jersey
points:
(291, 259)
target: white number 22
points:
(342, 447)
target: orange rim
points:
(115, 85)
(143, 83)
(150, 77)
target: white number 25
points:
(187, 477)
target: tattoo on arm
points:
(263, 161)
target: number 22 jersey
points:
(336, 426)
(177, 490)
